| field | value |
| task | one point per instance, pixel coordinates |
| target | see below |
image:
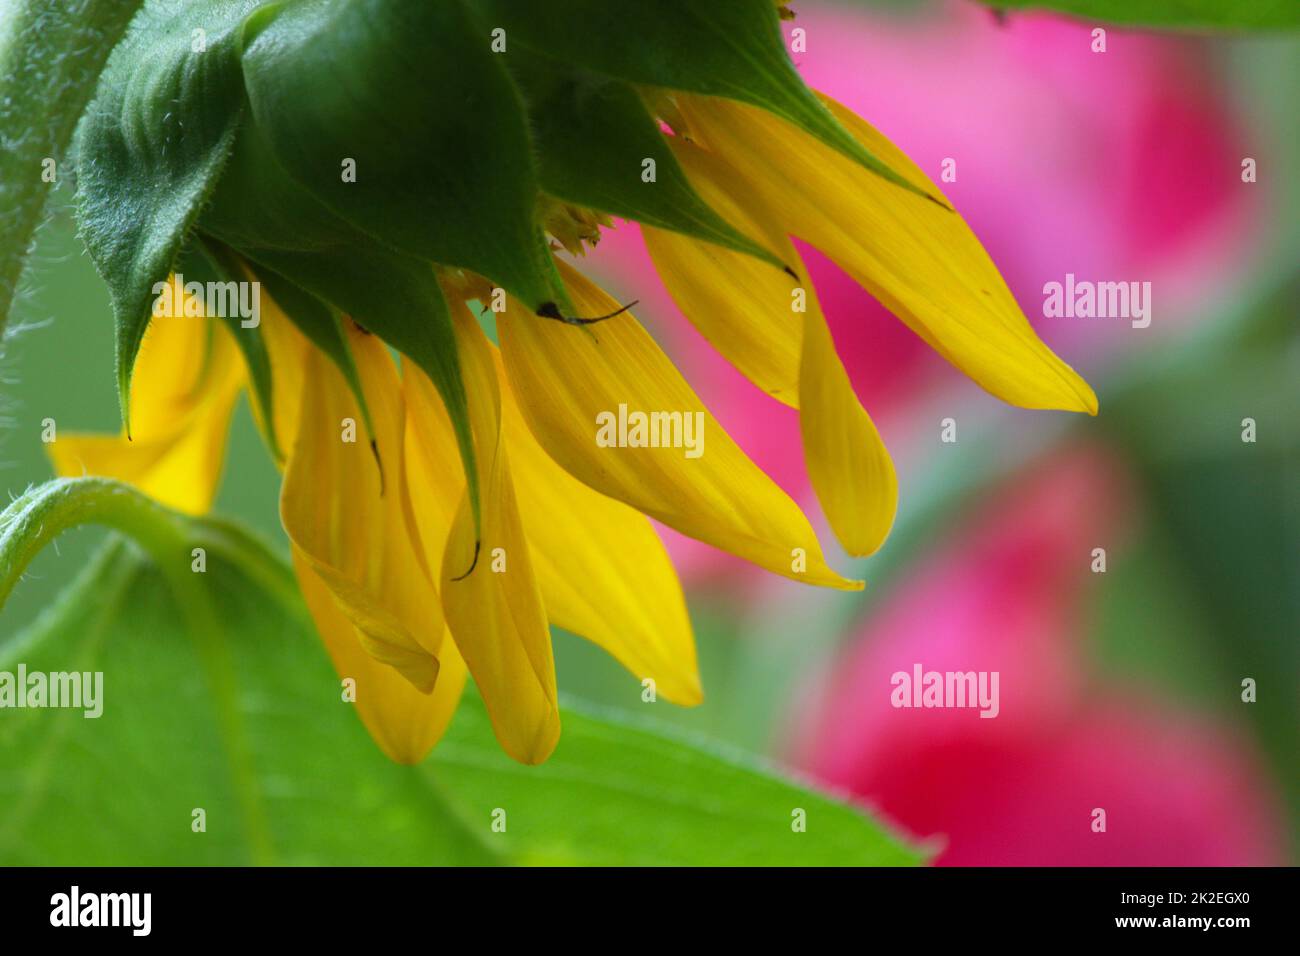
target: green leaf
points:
(151, 147)
(411, 95)
(1198, 14)
(732, 49)
(593, 134)
(243, 717)
(51, 55)
(238, 728)
(617, 793)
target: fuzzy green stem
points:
(51, 55)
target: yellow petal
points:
(716, 288)
(765, 311)
(489, 591)
(918, 258)
(602, 570)
(848, 464)
(348, 520)
(571, 383)
(187, 380)
(176, 356)
(435, 480)
(286, 351)
(404, 722)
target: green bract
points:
(344, 148)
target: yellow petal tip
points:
(1087, 400)
(1081, 396)
(688, 693)
(542, 746)
(839, 583)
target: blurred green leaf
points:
(245, 720)
(1213, 14)
(620, 792)
(251, 731)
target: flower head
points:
(444, 513)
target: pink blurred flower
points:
(1123, 166)
(1021, 788)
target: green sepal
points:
(593, 133)
(411, 94)
(731, 49)
(322, 325)
(261, 212)
(152, 145)
(207, 262)
(397, 298)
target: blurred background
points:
(1120, 690)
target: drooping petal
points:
(489, 591)
(403, 721)
(344, 508)
(848, 464)
(763, 310)
(178, 353)
(286, 350)
(603, 572)
(187, 379)
(716, 288)
(917, 257)
(434, 481)
(581, 392)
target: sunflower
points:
(444, 495)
